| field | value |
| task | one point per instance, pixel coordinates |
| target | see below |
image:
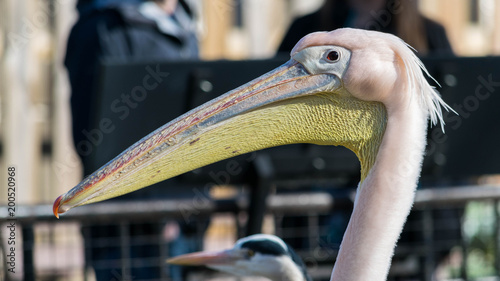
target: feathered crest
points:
(429, 96)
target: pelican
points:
(364, 90)
(256, 255)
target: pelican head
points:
(256, 255)
(338, 88)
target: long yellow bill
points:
(287, 105)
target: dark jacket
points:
(129, 32)
(436, 34)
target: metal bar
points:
(463, 268)
(87, 248)
(258, 206)
(458, 194)
(259, 194)
(164, 270)
(313, 227)
(428, 231)
(300, 202)
(126, 272)
(290, 203)
(28, 247)
(496, 233)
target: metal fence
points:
(137, 237)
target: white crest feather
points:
(430, 99)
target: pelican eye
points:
(333, 56)
(251, 253)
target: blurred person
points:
(127, 31)
(122, 30)
(399, 17)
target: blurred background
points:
(42, 68)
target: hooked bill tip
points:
(56, 206)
